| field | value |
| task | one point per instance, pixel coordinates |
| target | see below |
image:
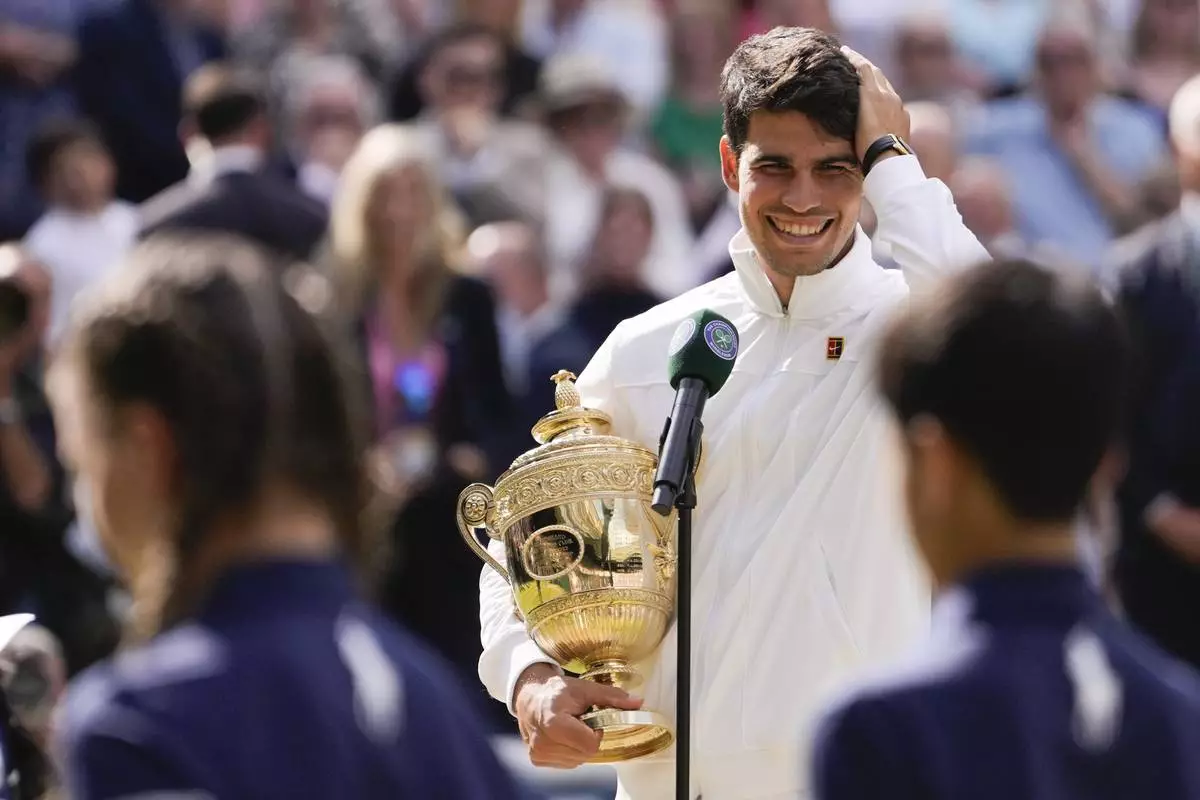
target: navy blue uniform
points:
(284, 686)
(1029, 690)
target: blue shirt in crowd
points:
(1029, 690)
(284, 687)
(1052, 203)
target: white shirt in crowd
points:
(78, 249)
(571, 226)
(803, 570)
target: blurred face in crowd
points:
(625, 233)
(932, 136)
(81, 177)
(796, 13)
(467, 73)
(400, 205)
(591, 130)
(980, 193)
(1172, 25)
(499, 15)
(926, 60)
(702, 43)
(507, 253)
(1067, 72)
(799, 193)
(330, 124)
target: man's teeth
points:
(800, 230)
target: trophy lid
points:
(569, 415)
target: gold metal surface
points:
(591, 565)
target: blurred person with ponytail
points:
(203, 406)
(431, 354)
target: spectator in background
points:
(1156, 273)
(511, 257)
(37, 47)
(614, 284)
(1165, 49)
(366, 30)
(999, 38)
(474, 148)
(588, 118)
(983, 197)
(768, 14)
(37, 573)
(432, 360)
(328, 104)
(520, 71)
(228, 189)
(85, 231)
(686, 129)
(934, 137)
(929, 68)
(1073, 153)
(134, 58)
(628, 37)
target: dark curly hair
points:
(790, 69)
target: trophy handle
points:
(473, 505)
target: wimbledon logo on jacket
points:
(721, 339)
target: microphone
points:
(701, 354)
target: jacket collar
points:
(814, 296)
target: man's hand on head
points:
(880, 109)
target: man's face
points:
(926, 61)
(1067, 72)
(799, 192)
(467, 73)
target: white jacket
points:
(802, 570)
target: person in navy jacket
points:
(1009, 387)
(203, 413)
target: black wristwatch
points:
(880, 146)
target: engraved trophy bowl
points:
(591, 565)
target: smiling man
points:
(803, 573)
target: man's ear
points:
(729, 165)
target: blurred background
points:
(491, 185)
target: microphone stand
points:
(685, 502)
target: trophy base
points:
(628, 734)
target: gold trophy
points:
(591, 565)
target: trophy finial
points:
(565, 394)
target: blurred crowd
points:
(487, 187)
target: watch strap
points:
(880, 146)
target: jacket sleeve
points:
(919, 223)
(508, 650)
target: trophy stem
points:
(613, 672)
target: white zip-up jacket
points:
(802, 568)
